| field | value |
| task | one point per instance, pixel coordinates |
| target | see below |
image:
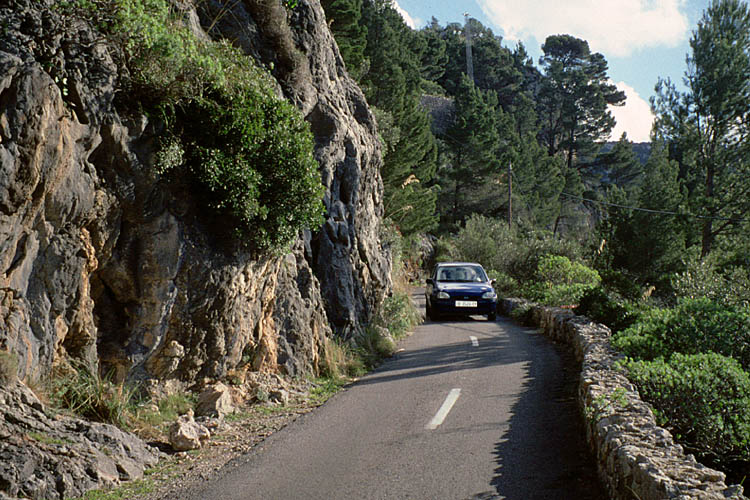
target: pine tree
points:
(572, 106)
(649, 244)
(620, 165)
(494, 65)
(573, 100)
(344, 18)
(434, 57)
(392, 84)
(709, 124)
(471, 144)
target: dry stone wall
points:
(636, 458)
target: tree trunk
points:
(707, 233)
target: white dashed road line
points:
(474, 341)
(450, 400)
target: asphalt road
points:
(469, 409)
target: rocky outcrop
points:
(346, 254)
(101, 262)
(43, 456)
(636, 458)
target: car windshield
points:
(462, 274)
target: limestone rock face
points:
(46, 457)
(101, 262)
(346, 255)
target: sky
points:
(642, 40)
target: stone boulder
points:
(186, 434)
(215, 401)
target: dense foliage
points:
(255, 171)
(692, 327)
(703, 399)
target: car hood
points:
(464, 287)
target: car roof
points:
(441, 264)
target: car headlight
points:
(489, 295)
(443, 295)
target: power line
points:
(654, 211)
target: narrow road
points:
(469, 409)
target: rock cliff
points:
(100, 263)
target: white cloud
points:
(616, 28)
(407, 18)
(635, 117)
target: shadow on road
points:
(492, 351)
(543, 454)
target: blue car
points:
(460, 288)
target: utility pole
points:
(510, 194)
(469, 61)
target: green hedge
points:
(703, 399)
(600, 306)
(694, 326)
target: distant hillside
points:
(642, 150)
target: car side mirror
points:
(493, 282)
(430, 282)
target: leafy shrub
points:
(532, 246)
(485, 240)
(703, 399)
(704, 279)
(398, 315)
(621, 283)
(559, 269)
(505, 285)
(408, 254)
(561, 282)
(523, 314)
(248, 153)
(695, 326)
(444, 251)
(257, 167)
(602, 307)
(515, 253)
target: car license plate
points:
(466, 303)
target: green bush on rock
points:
(247, 153)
